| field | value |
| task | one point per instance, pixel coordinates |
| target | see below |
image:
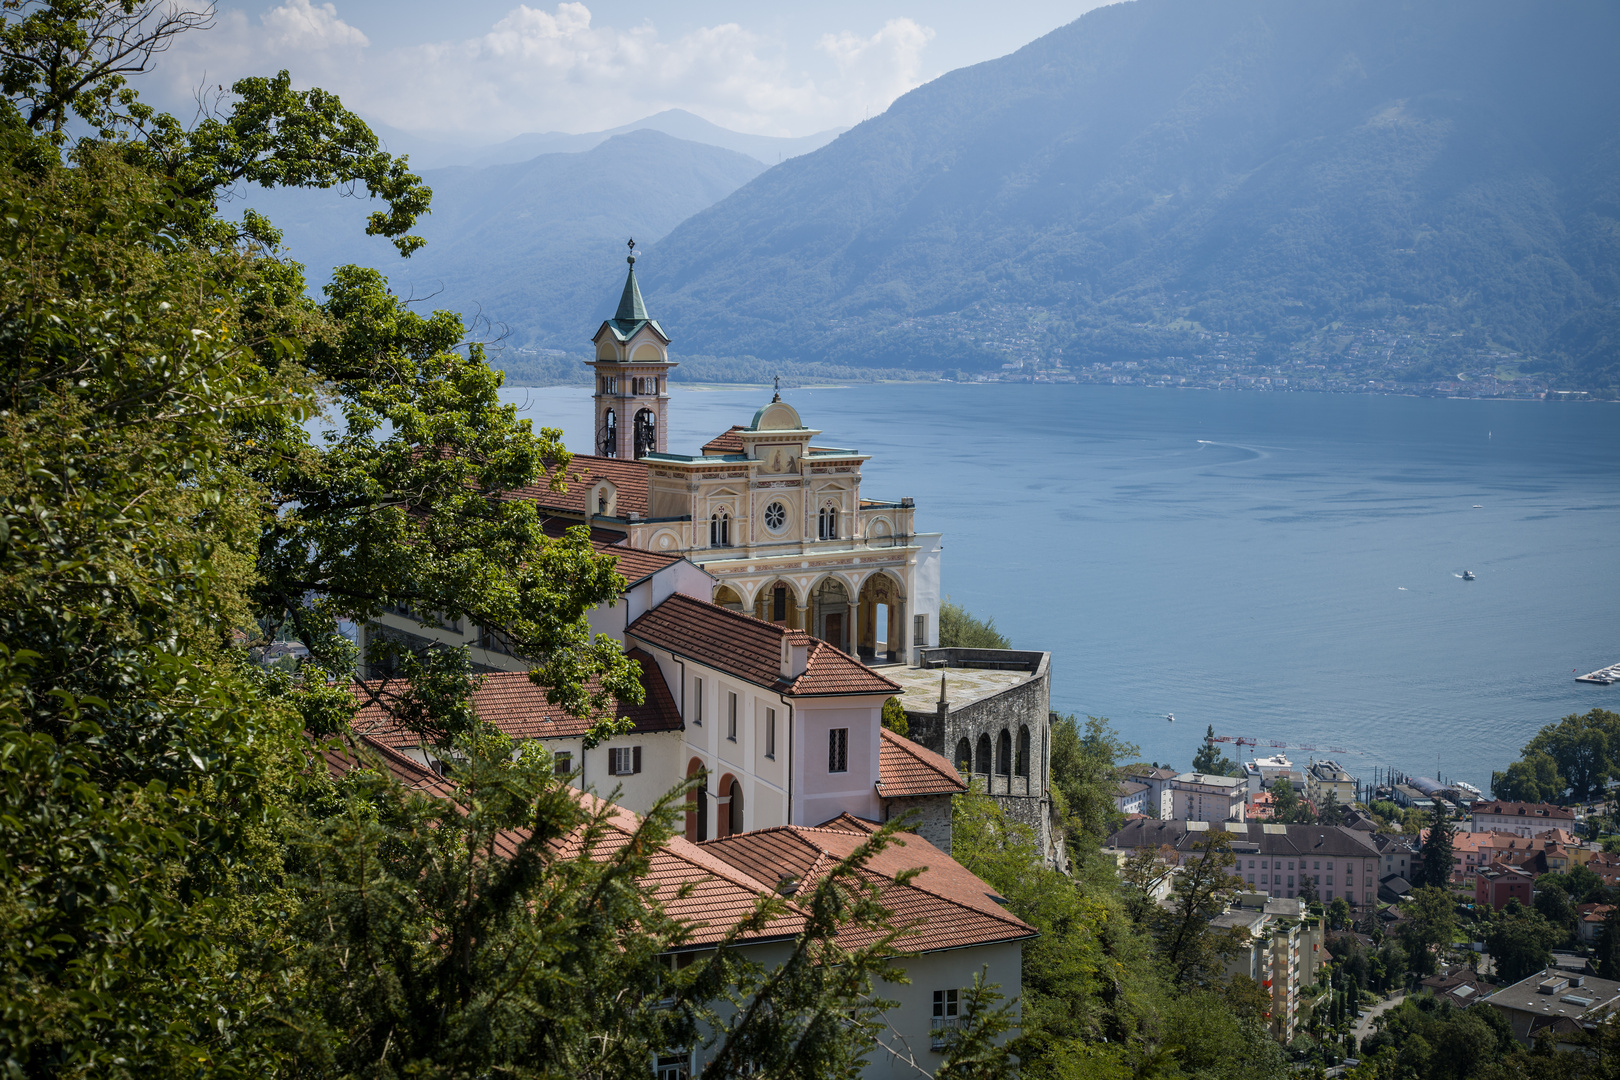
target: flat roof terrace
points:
(963, 686)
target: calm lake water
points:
(1282, 566)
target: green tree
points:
(1436, 860)
(1338, 914)
(1210, 760)
(1532, 779)
(1086, 773)
(1584, 747)
(1193, 952)
(1429, 930)
(1553, 903)
(1520, 941)
(1607, 953)
(894, 717)
(961, 629)
(1332, 813)
(1284, 800)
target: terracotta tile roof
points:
(633, 563)
(728, 442)
(629, 479)
(943, 907)
(1541, 810)
(848, 822)
(691, 884)
(515, 705)
(906, 769)
(751, 649)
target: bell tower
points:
(632, 378)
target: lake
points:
(1285, 567)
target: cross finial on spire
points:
(631, 244)
(777, 380)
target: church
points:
(773, 609)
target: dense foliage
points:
(190, 884)
(961, 629)
(1569, 761)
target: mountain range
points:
(1157, 173)
(526, 250)
(1380, 188)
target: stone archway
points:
(831, 613)
(964, 756)
(697, 803)
(726, 597)
(880, 619)
(981, 756)
(778, 602)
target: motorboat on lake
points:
(1468, 575)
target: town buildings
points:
(1159, 794)
(1281, 951)
(1261, 773)
(1525, 819)
(1561, 1002)
(1324, 778)
(1496, 884)
(1272, 859)
(1205, 797)
(1132, 797)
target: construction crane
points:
(1240, 741)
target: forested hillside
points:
(1445, 175)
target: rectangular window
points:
(838, 750)
(562, 764)
(919, 630)
(624, 760)
(946, 1018)
(673, 1065)
(731, 717)
(945, 1002)
(770, 733)
(697, 702)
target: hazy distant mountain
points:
(430, 152)
(1447, 168)
(536, 247)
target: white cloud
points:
(299, 25)
(537, 70)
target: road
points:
(1363, 1026)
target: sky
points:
(483, 70)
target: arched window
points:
(610, 434)
(646, 433)
(779, 596)
(735, 825)
(828, 523)
(1004, 753)
(964, 755)
(703, 813)
(981, 759)
(720, 529)
(1023, 750)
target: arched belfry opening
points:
(632, 377)
(646, 433)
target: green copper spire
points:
(631, 307)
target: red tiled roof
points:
(943, 907)
(515, 705)
(906, 769)
(751, 649)
(848, 822)
(728, 442)
(629, 479)
(1542, 810)
(633, 563)
(691, 884)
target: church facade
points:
(772, 513)
(773, 609)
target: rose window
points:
(775, 517)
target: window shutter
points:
(635, 760)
